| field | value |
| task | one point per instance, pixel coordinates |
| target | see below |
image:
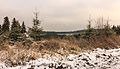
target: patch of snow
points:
(96, 59)
(2, 66)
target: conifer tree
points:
(89, 30)
(15, 25)
(6, 24)
(114, 27)
(117, 30)
(15, 30)
(35, 31)
(23, 28)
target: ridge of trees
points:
(102, 28)
(17, 31)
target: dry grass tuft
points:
(18, 54)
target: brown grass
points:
(18, 54)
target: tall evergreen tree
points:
(6, 24)
(15, 30)
(23, 28)
(36, 21)
(35, 31)
(15, 24)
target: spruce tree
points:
(15, 30)
(23, 28)
(6, 24)
(35, 31)
(15, 24)
(36, 22)
(118, 30)
(114, 28)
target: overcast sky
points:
(60, 15)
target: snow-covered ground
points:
(96, 59)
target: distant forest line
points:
(17, 31)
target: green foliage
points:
(23, 28)
(35, 31)
(6, 24)
(15, 30)
(102, 29)
(15, 34)
(15, 25)
(107, 30)
(116, 29)
(89, 31)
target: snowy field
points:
(96, 59)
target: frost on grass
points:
(96, 59)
